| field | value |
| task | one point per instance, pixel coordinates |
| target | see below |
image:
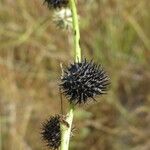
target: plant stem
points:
(66, 131)
(76, 31)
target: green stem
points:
(76, 31)
(66, 131)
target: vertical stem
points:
(66, 131)
(76, 31)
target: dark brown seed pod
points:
(84, 80)
(51, 133)
(56, 3)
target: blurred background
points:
(115, 33)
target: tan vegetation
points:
(115, 33)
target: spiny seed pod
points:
(56, 3)
(84, 80)
(51, 133)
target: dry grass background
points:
(115, 33)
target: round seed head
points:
(51, 133)
(56, 3)
(84, 80)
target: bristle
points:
(56, 3)
(84, 80)
(51, 133)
